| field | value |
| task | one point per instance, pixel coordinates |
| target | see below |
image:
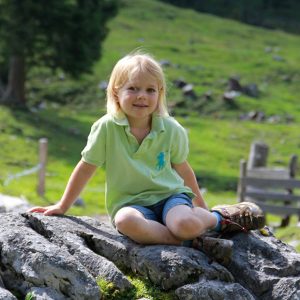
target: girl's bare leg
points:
(188, 223)
(133, 224)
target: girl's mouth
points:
(140, 105)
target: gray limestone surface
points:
(61, 257)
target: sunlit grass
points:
(141, 288)
(203, 50)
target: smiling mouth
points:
(140, 105)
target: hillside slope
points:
(206, 51)
(203, 50)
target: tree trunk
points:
(14, 94)
(2, 89)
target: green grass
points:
(29, 296)
(290, 234)
(204, 50)
(142, 288)
(216, 149)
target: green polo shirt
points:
(137, 174)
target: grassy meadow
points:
(202, 49)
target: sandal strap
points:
(229, 222)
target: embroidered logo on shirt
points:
(160, 161)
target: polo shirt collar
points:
(157, 122)
(121, 121)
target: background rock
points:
(13, 204)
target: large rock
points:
(266, 266)
(213, 289)
(6, 295)
(61, 257)
(30, 260)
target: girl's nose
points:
(141, 95)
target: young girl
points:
(152, 195)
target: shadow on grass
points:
(216, 183)
(66, 135)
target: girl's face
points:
(138, 98)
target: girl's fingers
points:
(47, 211)
(37, 209)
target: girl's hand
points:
(79, 177)
(50, 210)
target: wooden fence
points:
(275, 190)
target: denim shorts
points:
(158, 212)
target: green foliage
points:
(108, 290)
(64, 34)
(270, 14)
(141, 288)
(29, 296)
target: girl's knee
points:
(186, 227)
(125, 220)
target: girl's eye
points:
(151, 90)
(132, 88)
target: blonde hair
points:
(127, 67)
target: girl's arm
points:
(78, 179)
(187, 174)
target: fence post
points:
(43, 149)
(258, 155)
(241, 185)
(293, 165)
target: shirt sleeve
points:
(180, 145)
(95, 150)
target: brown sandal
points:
(243, 216)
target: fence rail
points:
(40, 168)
